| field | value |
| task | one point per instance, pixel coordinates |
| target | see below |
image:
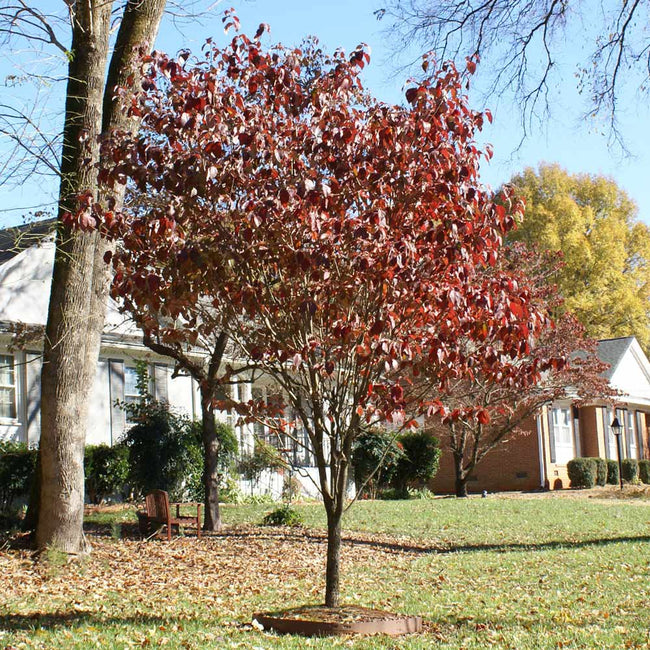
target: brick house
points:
(562, 431)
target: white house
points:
(25, 277)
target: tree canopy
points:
(605, 279)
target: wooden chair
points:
(159, 513)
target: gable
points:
(632, 374)
(25, 282)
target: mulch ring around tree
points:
(314, 620)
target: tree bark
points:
(461, 487)
(461, 476)
(80, 276)
(333, 569)
(211, 447)
(64, 386)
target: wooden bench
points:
(158, 513)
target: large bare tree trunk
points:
(64, 382)
(80, 277)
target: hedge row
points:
(588, 472)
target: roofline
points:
(614, 367)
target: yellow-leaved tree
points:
(606, 277)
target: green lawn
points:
(524, 573)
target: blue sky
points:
(567, 139)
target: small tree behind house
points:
(341, 239)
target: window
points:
(277, 409)
(132, 394)
(633, 451)
(7, 387)
(562, 435)
(620, 414)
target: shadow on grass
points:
(121, 529)
(440, 549)
(53, 621)
(500, 548)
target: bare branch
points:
(520, 43)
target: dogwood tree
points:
(340, 240)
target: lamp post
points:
(617, 429)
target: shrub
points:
(165, 452)
(106, 470)
(17, 465)
(420, 493)
(630, 470)
(258, 499)
(375, 451)
(582, 472)
(229, 490)
(644, 471)
(166, 449)
(419, 462)
(226, 463)
(601, 471)
(612, 472)
(283, 516)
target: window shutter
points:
(640, 422)
(551, 433)
(34, 363)
(116, 383)
(628, 435)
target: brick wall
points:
(510, 466)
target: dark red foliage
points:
(332, 228)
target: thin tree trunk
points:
(461, 487)
(137, 33)
(333, 570)
(80, 276)
(461, 475)
(211, 447)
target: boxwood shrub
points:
(106, 469)
(582, 472)
(17, 463)
(630, 470)
(644, 471)
(601, 471)
(613, 477)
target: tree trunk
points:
(211, 447)
(462, 475)
(80, 278)
(65, 379)
(333, 570)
